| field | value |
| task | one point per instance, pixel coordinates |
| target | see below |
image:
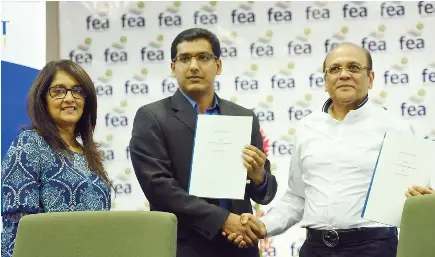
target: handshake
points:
(243, 230)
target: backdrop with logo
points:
(272, 55)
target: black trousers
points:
(385, 247)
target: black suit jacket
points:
(161, 153)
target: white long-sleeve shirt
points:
(331, 169)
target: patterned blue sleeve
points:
(20, 178)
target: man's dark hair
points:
(193, 34)
(366, 52)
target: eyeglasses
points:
(351, 68)
(202, 58)
(58, 92)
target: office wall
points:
(52, 28)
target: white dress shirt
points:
(331, 169)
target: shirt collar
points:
(194, 105)
(329, 103)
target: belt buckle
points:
(330, 238)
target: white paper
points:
(404, 161)
(217, 163)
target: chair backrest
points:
(417, 228)
(97, 234)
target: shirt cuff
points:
(268, 224)
(263, 186)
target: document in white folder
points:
(403, 161)
(217, 164)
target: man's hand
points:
(256, 226)
(254, 161)
(419, 190)
(233, 225)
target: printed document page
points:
(217, 164)
(403, 161)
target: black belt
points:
(332, 238)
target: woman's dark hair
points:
(44, 124)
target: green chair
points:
(97, 234)
(417, 228)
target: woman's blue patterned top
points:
(36, 179)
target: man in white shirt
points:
(332, 165)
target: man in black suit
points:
(161, 153)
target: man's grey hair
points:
(366, 52)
